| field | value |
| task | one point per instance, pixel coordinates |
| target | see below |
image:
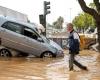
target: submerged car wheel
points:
(5, 53)
(47, 55)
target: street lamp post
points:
(70, 14)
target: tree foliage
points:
(83, 21)
(92, 5)
(58, 24)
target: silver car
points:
(22, 37)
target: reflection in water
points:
(59, 69)
(23, 68)
(72, 76)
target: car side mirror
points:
(40, 40)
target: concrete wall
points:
(61, 41)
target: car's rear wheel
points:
(47, 55)
(5, 53)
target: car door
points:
(11, 34)
(35, 47)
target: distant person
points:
(73, 43)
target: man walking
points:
(73, 43)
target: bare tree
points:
(94, 13)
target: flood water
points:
(23, 68)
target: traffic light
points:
(42, 19)
(46, 7)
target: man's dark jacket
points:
(73, 43)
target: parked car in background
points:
(23, 37)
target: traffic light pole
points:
(46, 11)
(44, 25)
(43, 17)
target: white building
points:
(13, 14)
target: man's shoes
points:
(71, 69)
(85, 68)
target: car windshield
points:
(45, 38)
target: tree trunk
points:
(98, 33)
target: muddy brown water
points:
(24, 68)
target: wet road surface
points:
(24, 68)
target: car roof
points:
(5, 19)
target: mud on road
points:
(24, 68)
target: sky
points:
(68, 9)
